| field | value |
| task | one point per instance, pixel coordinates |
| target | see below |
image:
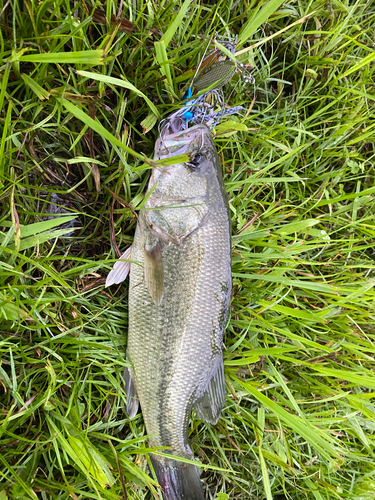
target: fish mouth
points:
(182, 142)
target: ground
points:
(83, 86)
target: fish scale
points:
(165, 341)
(180, 285)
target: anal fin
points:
(132, 402)
(120, 269)
(208, 406)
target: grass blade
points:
(175, 24)
(39, 91)
(98, 127)
(88, 57)
(313, 435)
(120, 83)
(257, 19)
(162, 58)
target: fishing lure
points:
(218, 69)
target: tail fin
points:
(178, 480)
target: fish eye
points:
(196, 160)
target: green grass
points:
(299, 420)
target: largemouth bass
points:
(179, 297)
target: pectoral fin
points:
(120, 270)
(154, 275)
(209, 405)
(132, 402)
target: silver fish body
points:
(179, 297)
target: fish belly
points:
(175, 346)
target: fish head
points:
(183, 142)
(190, 180)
